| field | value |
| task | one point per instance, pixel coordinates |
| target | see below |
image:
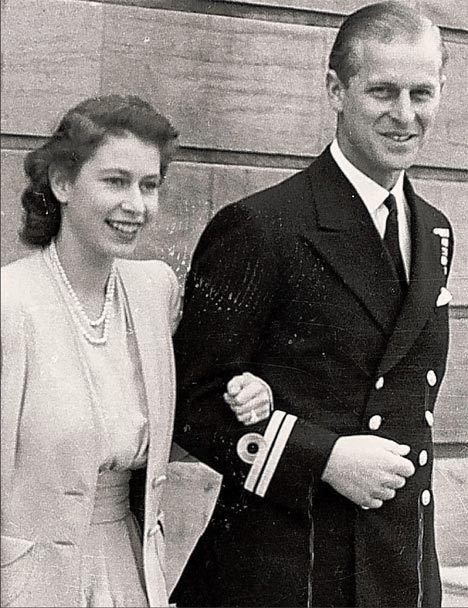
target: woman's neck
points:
(86, 270)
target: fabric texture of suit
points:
(49, 437)
(293, 284)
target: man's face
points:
(386, 109)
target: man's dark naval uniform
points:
(295, 284)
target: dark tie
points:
(391, 240)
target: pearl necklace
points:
(76, 309)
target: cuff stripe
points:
(264, 466)
(257, 466)
(443, 232)
(275, 454)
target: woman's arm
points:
(13, 380)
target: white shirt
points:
(373, 196)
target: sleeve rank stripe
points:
(275, 454)
(257, 466)
(443, 232)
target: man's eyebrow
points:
(382, 83)
(391, 85)
(423, 85)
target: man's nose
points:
(402, 110)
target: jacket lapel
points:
(152, 334)
(340, 228)
(424, 283)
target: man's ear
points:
(335, 90)
(59, 184)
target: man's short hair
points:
(384, 22)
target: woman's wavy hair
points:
(80, 133)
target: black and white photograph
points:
(234, 304)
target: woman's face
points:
(113, 197)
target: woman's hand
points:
(250, 398)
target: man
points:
(335, 293)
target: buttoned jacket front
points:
(294, 284)
(49, 438)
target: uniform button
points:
(157, 481)
(429, 418)
(426, 497)
(375, 422)
(431, 377)
(422, 457)
(380, 382)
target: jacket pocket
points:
(17, 566)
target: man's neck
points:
(351, 169)
(370, 191)
(386, 180)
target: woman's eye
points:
(150, 186)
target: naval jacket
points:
(295, 285)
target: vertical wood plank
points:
(51, 60)
(451, 419)
(12, 185)
(232, 183)
(450, 13)
(451, 199)
(183, 213)
(235, 84)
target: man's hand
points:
(368, 469)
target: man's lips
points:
(399, 137)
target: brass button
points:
(429, 418)
(431, 377)
(422, 457)
(375, 422)
(426, 497)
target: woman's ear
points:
(443, 80)
(60, 184)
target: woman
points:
(87, 367)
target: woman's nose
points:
(133, 202)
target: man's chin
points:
(399, 162)
(401, 155)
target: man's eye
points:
(381, 92)
(117, 182)
(422, 94)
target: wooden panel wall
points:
(243, 81)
